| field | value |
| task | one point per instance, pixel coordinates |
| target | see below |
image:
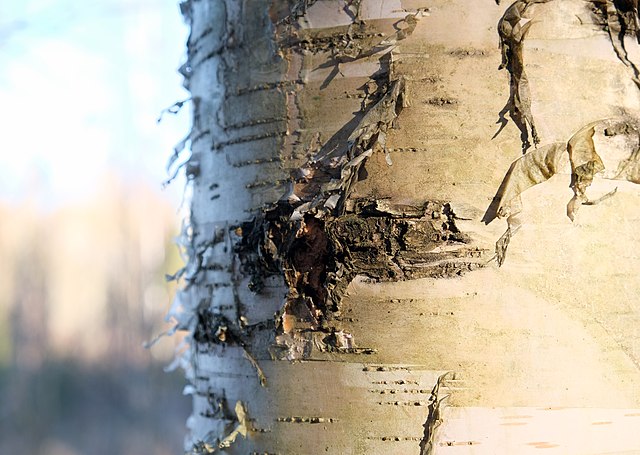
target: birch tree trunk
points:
(373, 267)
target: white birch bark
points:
(337, 141)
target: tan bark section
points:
(556, 326)
(528, 430)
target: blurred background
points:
(86, 229)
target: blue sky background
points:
(81, 87)
(85, 228)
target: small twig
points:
(601, 198)
(173, 109)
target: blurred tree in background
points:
(86, 234)
(82, 289)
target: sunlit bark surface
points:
(351, 288)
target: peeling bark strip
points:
(434, 419)
(620, 18)
(322, 186)
(237, 426)
(512, 31)
(581, 153)
(212, 329)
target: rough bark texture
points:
(343, 293)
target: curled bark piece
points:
(510, 27)
(212, 443)
(241, 428)
(585, 163)
(539, 165)
(404, 29)
(502, 244)
(535, 167)
(512, 30)
(256, 365)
